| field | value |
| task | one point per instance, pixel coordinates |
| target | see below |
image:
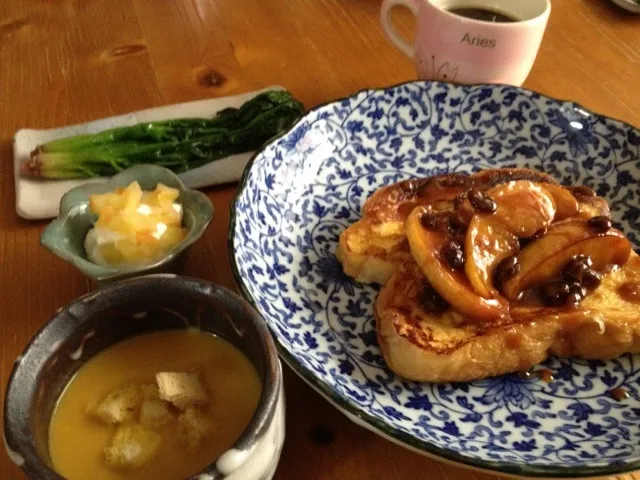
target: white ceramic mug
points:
(456, 48)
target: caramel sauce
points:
(524, 364)
(513, 340)
(401, 246)
(619, 393)
(405, 209)
(528, 298)
(545, 375)
(434, 192)
(630, 292)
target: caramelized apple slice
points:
(566, 204)
(523, 207)
(593, 207)
(544, 259)
(487, 243)
(426, 247)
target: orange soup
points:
(157, 406)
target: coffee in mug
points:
(472, 41)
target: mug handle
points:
(388, 28)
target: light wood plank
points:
(59, 64)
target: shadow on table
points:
(607, 11)
(9, 219)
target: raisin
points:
(454, 254)
(457, 224)
(576, 294)
(429, 221)
(581, 257)
(555, 293)
(459, 201)
(591, 279)
(431, 301)
(576, 268)
(583, 191)
(481, 201)
(600, 224)
(506, 269)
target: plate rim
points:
(347, 408)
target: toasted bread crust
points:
(369, 257)
(447, 348)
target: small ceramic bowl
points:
(121, 310)
(65, 235)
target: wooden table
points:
(67, 61)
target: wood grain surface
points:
(68, 61)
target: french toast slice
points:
(450, 347)
(374, 247)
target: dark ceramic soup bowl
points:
(117, 312)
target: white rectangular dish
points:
(39, 199)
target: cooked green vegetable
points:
(179, 145)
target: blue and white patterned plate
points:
(308, 185)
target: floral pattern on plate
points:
(303, 189)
